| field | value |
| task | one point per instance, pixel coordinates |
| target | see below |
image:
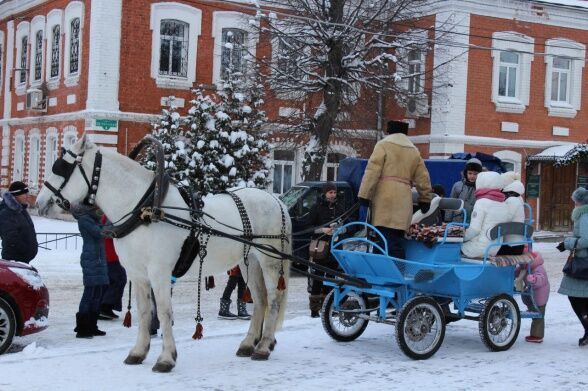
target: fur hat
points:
(580, 196)
(473, 165)
(397, 127)
(329, 186)
(18, 188)
(514, 187)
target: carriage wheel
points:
(420, 328)
(500, 322)
(340, 325)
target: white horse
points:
(150, 252)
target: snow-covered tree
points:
(334, 50)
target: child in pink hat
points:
(537, 280)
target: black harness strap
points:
(247, 230)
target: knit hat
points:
(329, 186)
(473, 165)
(580, 196)
(18, 188)
(397, 127)
(515, 187)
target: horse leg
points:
(275, 300)
(143, 299)
(258, 293)
(162, 289)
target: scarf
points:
(578, 212)
(491, 194)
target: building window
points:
(74, 46)
(332, 166)
(507, 77)
(51, 152)
(69, 136)
(38, 54)
(23, 59)
(283, 170)
(560, 78)
(19, 148)
(34, 162)
(287, 60)
(414, 72)
(55, 37)
(173, 54)
(234, 51)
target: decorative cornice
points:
(486, 141)
(81, 115)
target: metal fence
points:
(59, 240)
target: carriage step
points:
(531, 315)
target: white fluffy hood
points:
(516, 186)
(489, 180)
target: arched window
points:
(19, 153)
(55, 37)
(233, 51)
(34, 159)
(173, 54)
(23, 59)
(74, 46)
(38, 54)
(51, 150)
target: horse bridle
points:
(65, 169)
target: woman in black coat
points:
(19, 239)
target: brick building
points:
(503, 77)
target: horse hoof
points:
(273, 345)
(245, 352)
(162, 367)
(258, 356)
(133, 360)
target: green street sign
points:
(106, 124)
(533, 186)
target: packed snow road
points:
(305, 357)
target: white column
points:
(8, 74)
(448, 103)
(104, 64)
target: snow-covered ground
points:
(305, 357)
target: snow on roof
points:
(567, 3)
(552, 153)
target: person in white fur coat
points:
(513, 190)
(489, 210)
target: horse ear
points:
(85, 142)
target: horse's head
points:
(69, 182)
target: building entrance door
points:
(557, 185)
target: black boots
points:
(584, 340)
(87, 326)
(242, 310)
(224, 312)
(315, 302)
(106, 313)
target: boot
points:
(315, 303)
(584, 340)
(224, 312)
(242, 310)
(106, 313)
(94, 326)
(82, 329)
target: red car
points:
(24, 302)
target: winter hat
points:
(510, 177)
(489, 180)
(397, 127)
(18, 188)
(514, 187)
(329, 186)
(580, 196)
(473, 165)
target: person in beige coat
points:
(393, 168)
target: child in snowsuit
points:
(537, 280)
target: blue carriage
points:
(434, 284)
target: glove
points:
(531, 279)
(364, 202)
(424, 206)
(561, 247)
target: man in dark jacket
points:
(19, 239)
(324, 211)
(465, 190)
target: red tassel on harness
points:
(246, 295)
(209, 283)
(281, 284)
(198, 332)
(127, 320)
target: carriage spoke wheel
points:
(500, 322)
(7, 325)
(343, 325)
(420, 328)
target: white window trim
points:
(290, 95)
(340, 149)
(75, 9)
(505, 41)
(69, 132)
(561, 47)
(283, 163)
(230, 19)
(54, 17)
(2, 57)
(33, 172)
(50, 133)
(421, 98)
(19, 156)
(511, 157)
(186, 14)
(38, 23)
(22, 30)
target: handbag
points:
(576, 267)
(318, 249)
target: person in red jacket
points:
(112, 297)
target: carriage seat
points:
(433, 215)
